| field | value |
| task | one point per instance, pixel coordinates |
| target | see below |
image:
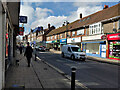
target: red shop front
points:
(114, 46)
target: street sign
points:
(23, 19)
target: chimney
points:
(105, 6)
(49, 26)
(80, 15)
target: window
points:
(73, 33)
(47, 38)
(51, 37)
(69, 49)
(119, 24)
(55, 36)
(80, 32)
(76, 49)
(95, 29)
(63, 35)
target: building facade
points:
(91, 33)
(9, 27)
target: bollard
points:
(73, 78)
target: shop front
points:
(114, 46)
(74, 41)
(49, 44)
(62, 42)
(56, 44)
(94, 46)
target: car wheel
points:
(72, 57)
(63, 55)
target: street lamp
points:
(66, 22)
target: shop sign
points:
(113, 36)
(95, 37)
(55, 41)
(62, 40)
(48, 41)
(103, 37)
(74, 40)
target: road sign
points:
(23, 19)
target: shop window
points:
(92, 48)
(114, 51)
(73, 33)
(80, 32)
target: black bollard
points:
(73, 78)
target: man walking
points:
(28, 53)
(20, 48)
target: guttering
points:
(110, 19)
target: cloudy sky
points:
(55, 13)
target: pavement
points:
(38, 75)
(104, 60)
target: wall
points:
(108, 27)
(2, 47)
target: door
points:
(103, 50)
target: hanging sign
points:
(21, 30)
(23, 19)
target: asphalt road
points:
(90, 73)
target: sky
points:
(56, 13)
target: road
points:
(90, 73)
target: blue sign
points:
(23, 19)
(62, 40)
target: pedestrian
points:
(28, 53)
(20, 48)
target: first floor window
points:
(73, 33)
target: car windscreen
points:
(76, 49)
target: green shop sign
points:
(56, 41)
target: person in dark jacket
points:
(20, 48)
(28, 53)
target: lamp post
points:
(66, 22)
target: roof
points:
(93, 18)
(37, 28)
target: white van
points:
(73, 52)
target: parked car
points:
(42, 48)
(73, 52)
(37, 48)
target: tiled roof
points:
(93, 18)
